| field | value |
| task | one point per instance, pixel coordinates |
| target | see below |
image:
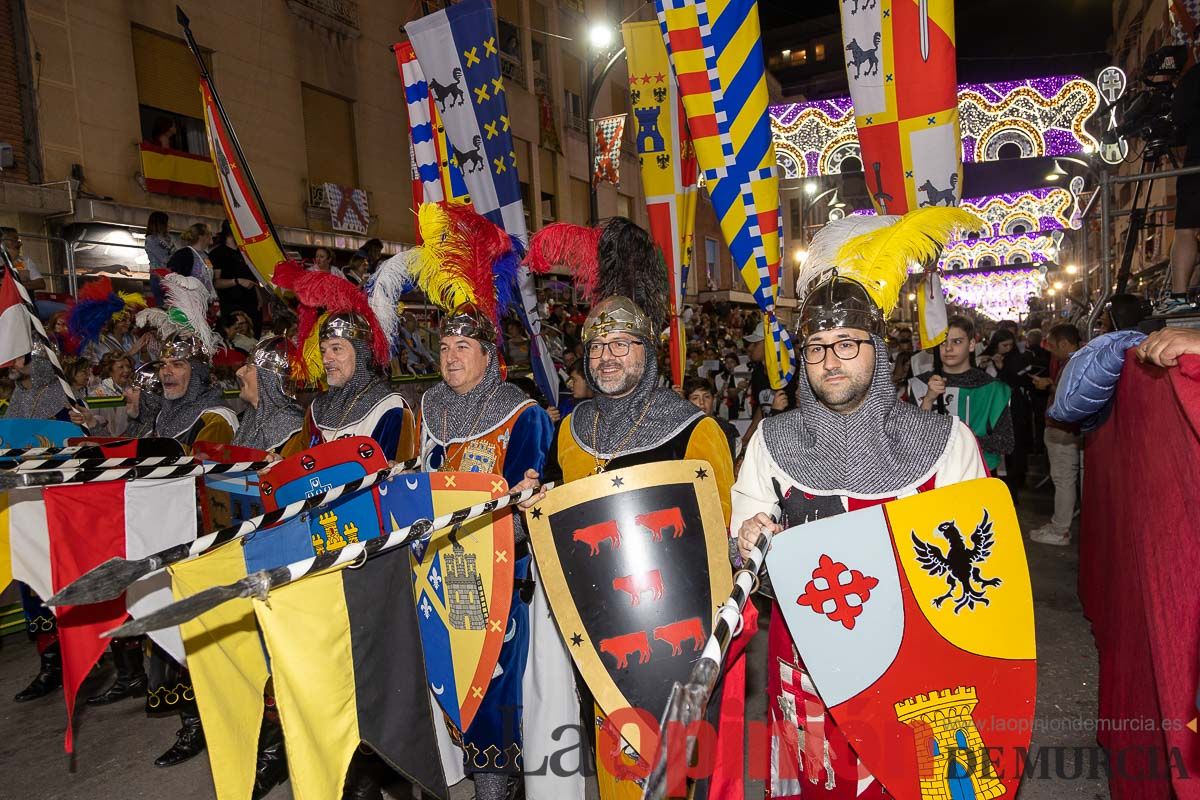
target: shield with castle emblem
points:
(348, 519)
(634, 563)
(462, 583)
(914, 620)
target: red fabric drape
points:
(1139, 572)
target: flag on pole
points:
(15, 337)
(608, 132)
(434, 177)
(716, 53)
(931, 312)
(458, 54)
(248, 219)
(668, 166)
(901, 69)
(140, 518)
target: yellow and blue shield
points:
(462, 583)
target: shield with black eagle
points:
(634, 563)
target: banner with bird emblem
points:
(716, 53)
(634, 563)
(668, 165)
(462, 584)
(901, 70)
(914, 620)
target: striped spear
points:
(260, 584)
(88, 464)
(688, 702)
(78, 450)
(39, 332)
(108, 580)
(18, 480)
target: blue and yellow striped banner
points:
(716, 53)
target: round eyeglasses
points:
(844, 349)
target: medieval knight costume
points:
(365, 405)
(274, 424)
(490, 427)
(813, 462)
(647, 424)
(979, 400)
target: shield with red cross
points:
(914, 620)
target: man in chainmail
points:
(359, 400)
(143, 400)
(631, 420)
(272, 419)
(45, 398)
(848, 444)
(193, 409)
(473, 421)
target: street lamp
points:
(798, 255)
(810, 188)
(600, 49)
(1072, 269)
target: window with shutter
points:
(168, 84)
(547, 164)
(329, 138)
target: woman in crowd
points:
(192, 260)
(1007, 363)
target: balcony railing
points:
(338, 15)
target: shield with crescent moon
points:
(634, 563)
(36, 433)
(462, 582)
(914, 620)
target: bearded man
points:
(273, 419)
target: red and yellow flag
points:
(247, 218)
(668, 165)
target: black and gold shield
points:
(634, 563)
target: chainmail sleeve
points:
(1001, 440)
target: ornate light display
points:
(998, 294)
(1040, 116)
(1032, 211)
(999, 251)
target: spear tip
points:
(181, 17)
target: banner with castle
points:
(914, 620)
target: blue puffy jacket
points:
(1087, 383)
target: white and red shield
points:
(914, 620)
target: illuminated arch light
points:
(996, 294)
(1043, 116)
(1041, 210)
(1034, 248)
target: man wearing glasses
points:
(10, 240)
(848, 444)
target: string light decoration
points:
(996, 294)
(1032, 211)
(1039, 117)
(1028, 249)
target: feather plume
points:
(95, 307)
(327, 292)
(391, 280)
(631, 265)
(823, 250)
(879, 260)
(506, 272)
(573, 246)
(158, 320)
(133, 300)
(189, 297)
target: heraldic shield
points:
(350, 518)
(634, 563)
(462, 582)
(914, 620)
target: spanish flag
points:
(251, 226)
(178, 174)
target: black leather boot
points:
(48, 679)
(364, 779)
(189, 741)
(271, 769)
(131, 673)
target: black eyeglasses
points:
(844, 349)
(619, 348)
